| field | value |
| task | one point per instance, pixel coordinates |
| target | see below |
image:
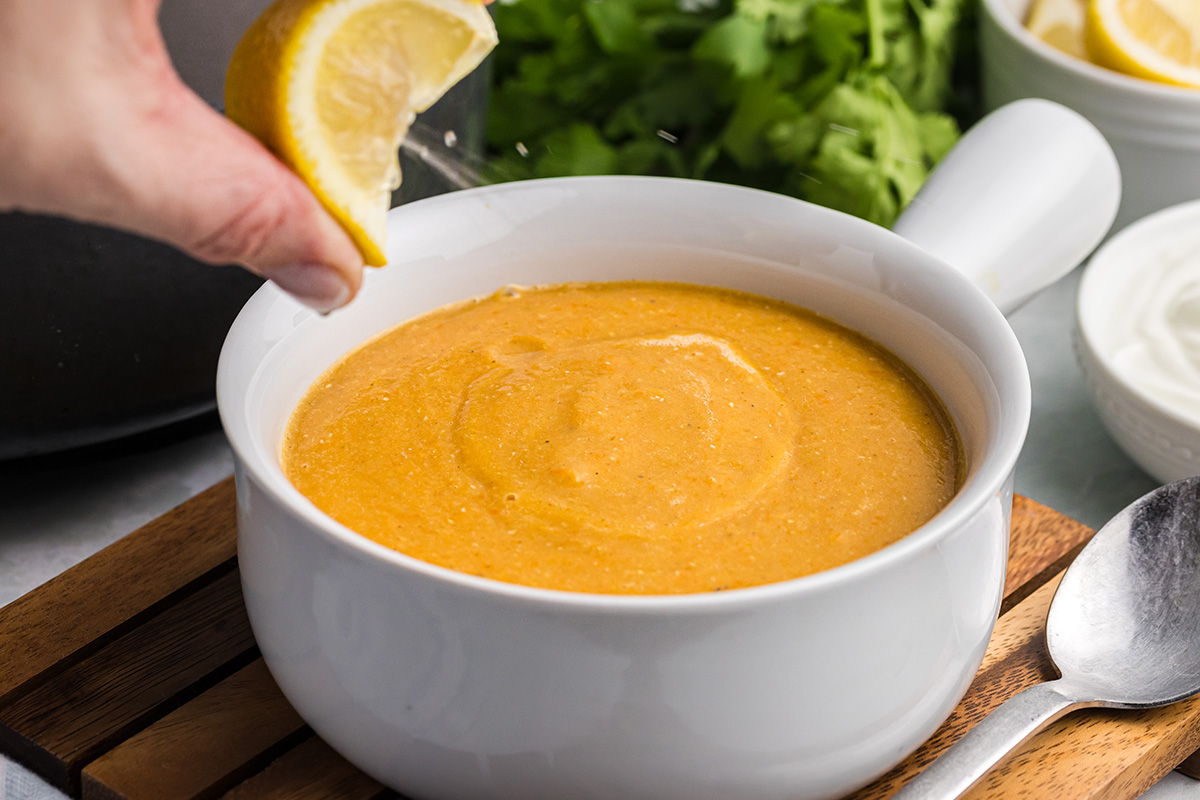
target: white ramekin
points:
(1154, 129)
(1162, 440)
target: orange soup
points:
(625, 438)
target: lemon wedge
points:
(331, 87)
(1154, 39)
(1059, 23)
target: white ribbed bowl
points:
(1163, 441)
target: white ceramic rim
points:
(1007, 21)
(983, 482)
(1089, 311)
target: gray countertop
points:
(1069, 462)
(56, 511)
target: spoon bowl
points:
(1123, 631)
(1125, 622)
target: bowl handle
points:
(1022, 199)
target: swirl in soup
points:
(625, 438)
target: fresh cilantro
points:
(841, 102)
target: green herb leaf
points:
(737, 42)
(840, 102)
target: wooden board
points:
(133, 676)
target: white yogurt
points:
(1156, 332)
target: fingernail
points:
(317, 286)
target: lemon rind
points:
(1114, 46)
(295, 38)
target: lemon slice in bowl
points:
(1154, 39)
(1059, 23)
(331, 87)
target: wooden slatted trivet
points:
(134, 676)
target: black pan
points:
(103, 333)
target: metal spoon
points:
(1123, 630)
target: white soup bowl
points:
(446, 685)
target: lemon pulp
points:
(1059, 23)
(332, 86)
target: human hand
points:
(96, 125)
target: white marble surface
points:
(59, 510)
(56, 511)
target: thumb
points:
(192, 178)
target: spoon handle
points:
(999, 733)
